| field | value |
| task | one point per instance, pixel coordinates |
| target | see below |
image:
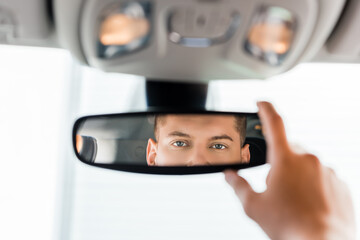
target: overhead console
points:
(189, 39)
(27, 23)
(343, 44)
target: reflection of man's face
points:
(185, 140)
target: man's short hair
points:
(159, 119)
(240, 125)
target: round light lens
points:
(271, 34)
(120, 29)
(124, 28)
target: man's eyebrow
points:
(178, 134)
(224, 136)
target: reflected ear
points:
(151, 152)
(245, 154)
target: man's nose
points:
(198, 158)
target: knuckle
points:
(312, 157)
(314, 160)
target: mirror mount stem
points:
(175, 95)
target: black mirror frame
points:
(164, 170)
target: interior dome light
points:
(271, 34)
(124, 28)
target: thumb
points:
(243, 190)
(275, 136)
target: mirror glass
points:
(170, 139)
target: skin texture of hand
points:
(303, 199)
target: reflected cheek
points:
(215, 158)
(226, 157)
(167, 157)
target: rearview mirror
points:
(169, 142)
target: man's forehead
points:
(197, 123)
(195, 118)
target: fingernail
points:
(259, 105)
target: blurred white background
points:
(46, 193)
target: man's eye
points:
(179, 144)
(218, 146)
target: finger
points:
(243, 190)
(275, 135)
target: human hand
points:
(303, 199)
